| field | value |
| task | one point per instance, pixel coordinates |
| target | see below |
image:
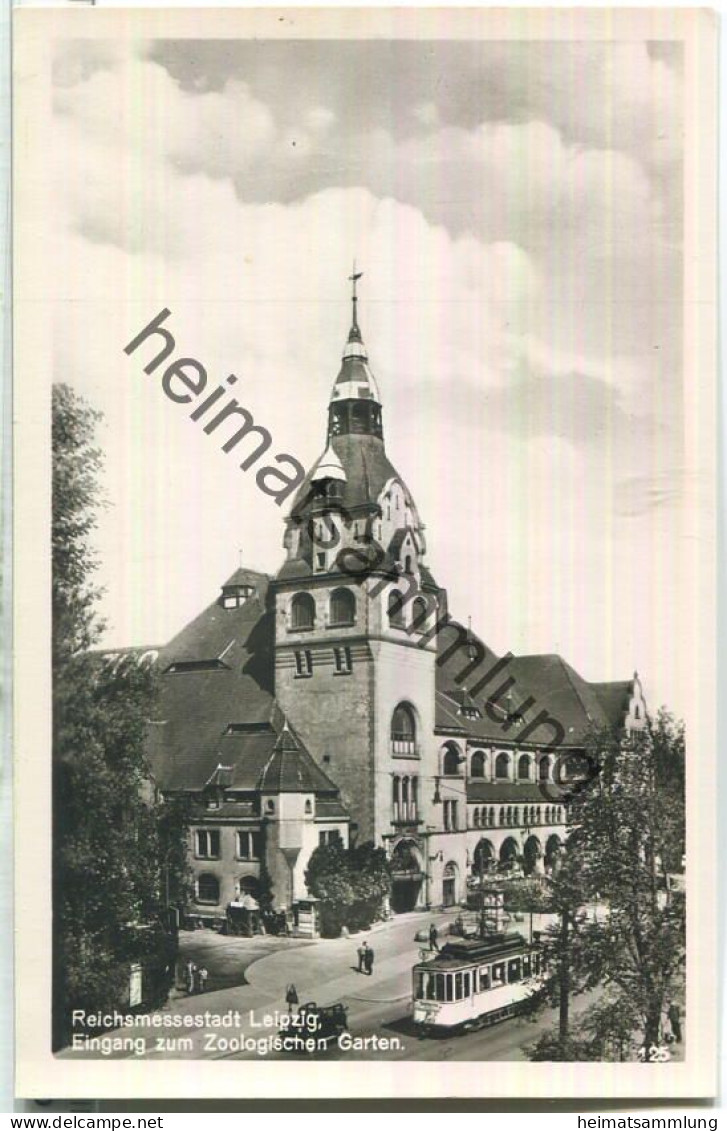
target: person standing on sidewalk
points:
(361, 952)
(202, 976)
(291, 997)
(433, 936)
(369, 959)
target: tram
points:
(471, 983)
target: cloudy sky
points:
(517, 211)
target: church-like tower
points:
(354, 600)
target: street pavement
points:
(324, 971)
(250, 977)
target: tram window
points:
(419, 984)
(466, 983)
(526, 966)
(437, 989)
(498, 974)
(458, 987)
(514, 973)
(448, 987)
(484, 978)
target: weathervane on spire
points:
(354, 278)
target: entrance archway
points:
(449, 884)
(484, 858)
(407, 875)
(553, 849)
(532, 854)
(508, 853)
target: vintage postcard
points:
(365, 552)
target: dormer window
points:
(235, 596)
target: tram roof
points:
(465, 952)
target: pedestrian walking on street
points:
(433, 936)
(361, 952)
(202, 976)
(675, 1021)
(291, 997)
(191, 971)
(369, 959)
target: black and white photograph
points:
(368, 400)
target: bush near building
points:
(352, 885)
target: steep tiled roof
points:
(290, 768)
(614, 698)
(553, 685)
(221, 726)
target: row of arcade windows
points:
(507, 816)
(453, 761)
(341, 610)
(342, 662)
(433, 986)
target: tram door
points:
(449, 885)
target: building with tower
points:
(340, 699)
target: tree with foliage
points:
(627, 832)
(119, 858)
(351, 884)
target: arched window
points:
(407, 564)
(249, 885)
(523, 768)
(502, 766)
(491, 816)
(419, 612)
(544, 769)
(450, 760)
(476, 818)
(403, 730)
(308, 807)
(395, 609)
(477, 765)
(343, 607)
(502, 816)
(303, 611)
(208, 888)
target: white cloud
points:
(150, 214)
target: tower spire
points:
(355, 333)
(355, 405)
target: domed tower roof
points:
(353, 479)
